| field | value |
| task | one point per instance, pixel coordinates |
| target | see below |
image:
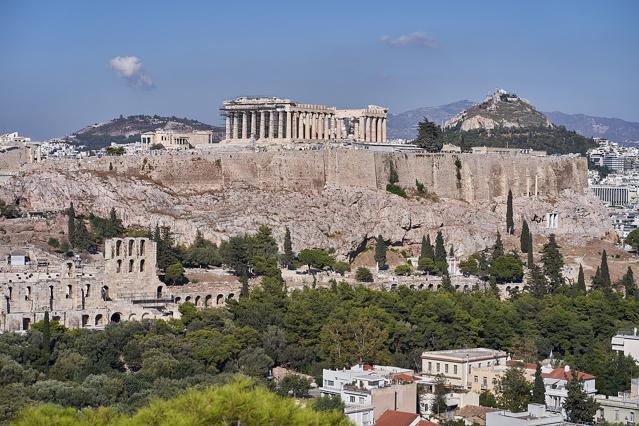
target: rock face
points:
(501, 109)
(333, 198)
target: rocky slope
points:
(501, 109)
(128, 129)
(343, 217)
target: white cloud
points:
(413, 39)
(130, 68)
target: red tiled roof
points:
(403, 376)
(395, 418)
(561, 374)
(518, 363)
(426, 423)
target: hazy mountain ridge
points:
(127, 129)
(404, 125)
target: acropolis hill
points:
(329, 197)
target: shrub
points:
(396, 189)
(53, 242)
(341, 267)
(364, 275)
(403, 270)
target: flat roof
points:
(463, 354)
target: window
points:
(616, 415)
(484, 382)
(494, 381)
(476, 379)
(438, 367)
(330, 383)
(479, 365)
(361, 400)
(446, 368)
(430, 366)
(352, 399)
(455, 369)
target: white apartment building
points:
(455, 365)
(368, 391)
(536, 415)
(555, 382)
(627, 342)
(13, 137)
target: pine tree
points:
(46, 342)
(82, 236)
(244, 291)
(539, 390)
(498, 248)
(580, 408)
(605, 273)
(537, 284)
(525, 235)
(440, 250)
(553, 263)
(451, 251)
(287, 257)
(530, 251)
(427, 250)
(429, 136)
(510, 223)
(597, 282)
(380, 252)
(71, 225)
(447, 285)
(581, 282)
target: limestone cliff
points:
(333, 198)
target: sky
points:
(68, 64)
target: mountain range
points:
(404, 125)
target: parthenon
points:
(283, 120)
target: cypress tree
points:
(46, 342)
(510, 223)
(605, 273)
(380, 252)
(451, 251)
(597, 283)
(82, 237)
(553, 263)
(440, 250)
(498, 248)
(531, 255)
(581, 281)
(628, 282)
(523, 239)
(71, 225)
(427, 250)
(539, 390)
(537, 284)
(287, 257)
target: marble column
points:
(244, 124)
(362, 129)
(280, 125)
(373, 129)
(307, 126)
(236, 120)
(320, 127)
(384, 130)
(367, 129)
(294, 125)
(228, 126)
(253, 124)
(271, 124)
(289, 123)
(357, 129)
(262, 125)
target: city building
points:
(401, 418)
(13, 137)
(455, 365)
(536, 415)
(556, 381)
(177, 140)
(367, 391)
(627, 342)
(623, 408)
(264, 119)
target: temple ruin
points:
(276, 120)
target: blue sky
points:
(57, 74)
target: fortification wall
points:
(483, 177)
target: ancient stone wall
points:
(483, 177)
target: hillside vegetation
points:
(128, 129)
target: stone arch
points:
(457, 287)
(99, 320)
(145, 316)
(188, 299)
(158, 292)
(132, 317)
(430, 286)
(393, 286)
(142, 265)
(130, 265)
(412, 286)
(230, 296)
(56, 318)
(219, 300)
(197, 300)
(507, 288)
(131, 242)
(421, 286)
(119, 269)
(178, 299)
(85, 320)
(116, 317)
(105, 293)
(142, 247)
(118, 247)
(466, 288)
(207, 300)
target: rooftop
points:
(466, 354)
(401, 418)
